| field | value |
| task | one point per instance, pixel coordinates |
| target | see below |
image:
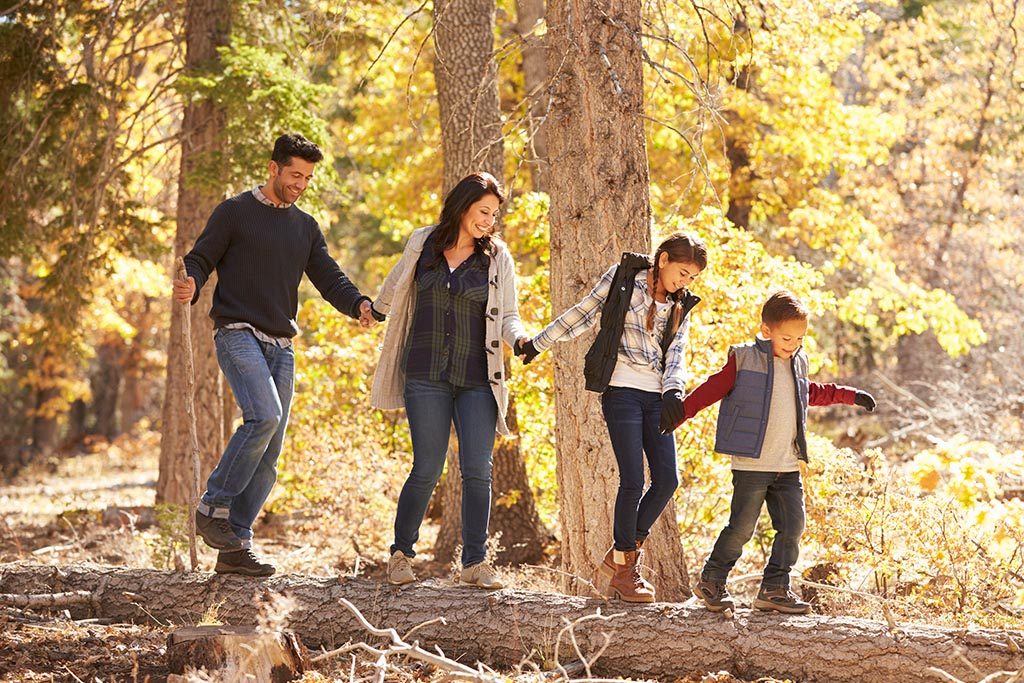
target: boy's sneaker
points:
(715, 595)
(243, 562)
(400, 569)
(217, 532)
(481, 575)
(781, 600)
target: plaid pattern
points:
(638, 346)
(446, 342)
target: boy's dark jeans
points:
(784, 494)
(633, 424)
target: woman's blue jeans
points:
(431, 408)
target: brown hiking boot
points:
(216, 530)
(243, 562)
(715, 595)
(626, 583)
(781, 600)
(606, 570)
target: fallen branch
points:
(46, 600)
(510, 628)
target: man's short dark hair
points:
(783, 306)
(294, 145)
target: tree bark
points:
(599, 165)
(248, 653)
(471, 140)
(535, 82)
(207, 27)
(504, 628)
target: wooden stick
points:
(45, 600)
(190, 413)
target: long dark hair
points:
(681, 247)
(456, 203)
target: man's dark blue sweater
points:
(260, 253)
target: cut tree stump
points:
(243, 651)
(507, 627)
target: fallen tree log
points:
(505, 628)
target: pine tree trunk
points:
(471, 140)
(602, 208)
(535, 82)
(504, 628)
(207, 27)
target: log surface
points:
(503, 628)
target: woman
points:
(637, 362)
(452, 300)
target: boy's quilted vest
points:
(743, 414)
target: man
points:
(260, 244)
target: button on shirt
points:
(446, 341)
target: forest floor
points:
(65, 511)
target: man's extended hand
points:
(184, 290)
(366, 318)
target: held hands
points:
(184, 290)
(865, 400)
(671, 411)
(367, 318)
(525, 349)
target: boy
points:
(765, 393)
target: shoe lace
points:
(486, 571)
(637, 579)
(401, 563)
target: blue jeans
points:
(431, 408)
(632, 416)
(261, 376)
(784, 494)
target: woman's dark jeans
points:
(432, 407)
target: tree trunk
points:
(467, 89)
(599, 164)
(471, 140)
(239, 652)
(504, 628)
(207, 27)
(106, 383)
(535, 81)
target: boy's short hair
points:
(783, 305)
(295, 145)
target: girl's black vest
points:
(603, 354)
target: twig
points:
(570, 627)
(399, 646)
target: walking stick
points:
(190, 415)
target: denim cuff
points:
(213, 511)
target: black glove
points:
(671, 411)
(379, 317)
(526, 349)
(865, 400)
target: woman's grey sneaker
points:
(715, 595)
(480, 575)
(781, 600)
(400, 569)
(242, 562)
(217, 532)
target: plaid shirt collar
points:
(257, 192)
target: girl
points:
(637, 363)
(452, 299)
